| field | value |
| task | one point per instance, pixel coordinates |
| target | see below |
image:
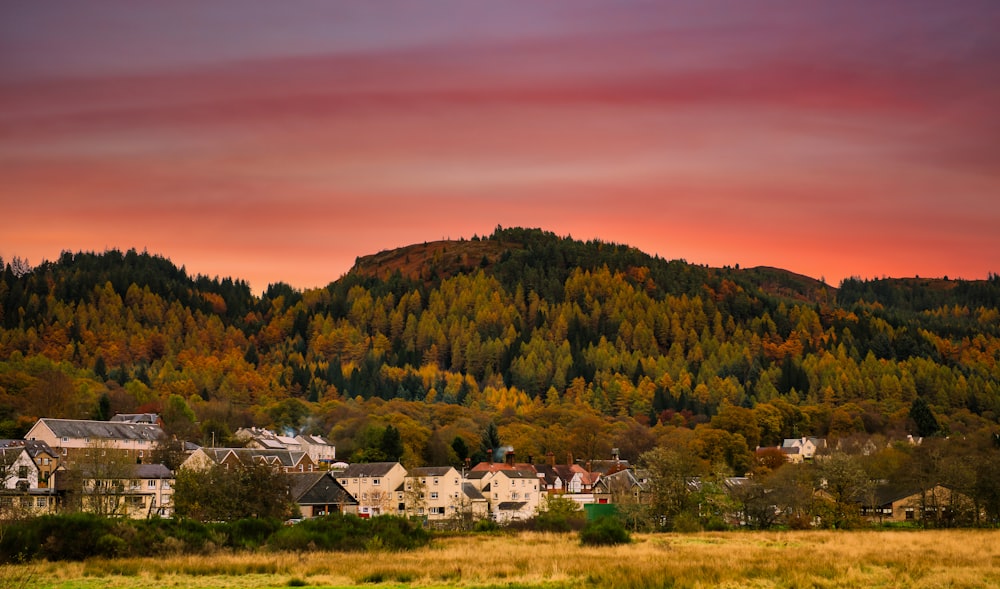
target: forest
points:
(559, 345)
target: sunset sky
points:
(274, 141)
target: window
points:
(151, 483)
(22, 472)
(42, 502)
(513, 495)
(375, 482)
(45, 461)
(434, 495)
(364, 496)
(436, 481)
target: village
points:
(110, 468)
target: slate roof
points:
(369, 469)
(152, 471)
(430, 471)
(83, 428)
(472, 492)
(247, 456)
(34, 447)
(317, 488)
(136, 418)
(511, 505)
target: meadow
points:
(821, 559)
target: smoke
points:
(500, 454)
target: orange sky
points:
(274, 143)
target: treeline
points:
(547, 337)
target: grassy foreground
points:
(825, 559)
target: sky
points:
(279, 141)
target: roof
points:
(608, 466)
(367, 469)
(520, 474)
(511, 505)
(83, 428)
(317, 488)
(286, 458)
(34, 447)
(430, 471)
(498, 466)
(136, 418)
(152, 471)
(472, 492)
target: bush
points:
(605, 531)
(350, 533)
(54, 537)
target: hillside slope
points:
(553, 339)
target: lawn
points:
(823, 559)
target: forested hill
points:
(568, 346)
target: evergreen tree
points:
(923, 418)
(392, 444)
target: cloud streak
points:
(828, 144)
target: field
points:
(911, 559)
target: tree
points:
(923, 418)
(489, 443)
(391, 444)
(100, 480)
(846, 484)
(228, 494)
(461, 449)
(669, 472)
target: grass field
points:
(911, 559)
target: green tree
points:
(391, 444)
(669, 471)
(229, 494)
(923, 418)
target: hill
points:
(566, 345)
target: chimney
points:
(531, 459)
(510, 458)
(552, 458)
(569, 459)
(589, 467)
(490, 454)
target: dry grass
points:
(765, 560)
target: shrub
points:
(604, 531)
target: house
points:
(319, 493)
(798, 450)
(434, 492)
(45, 458)
(17, 470)
(319, 449)
(74, 439)
(136, 491)
(512, 494)
(902, 503)
(374, 485)
(264, 439)
(623, 486)
(282, 460)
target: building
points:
(802, 449)
(433, 492)
(375, 486)
(282, 460)
(136, 491)
(319, 493)
(74, 439)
